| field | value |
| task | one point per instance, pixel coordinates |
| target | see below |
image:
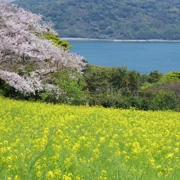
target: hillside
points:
(125, 19)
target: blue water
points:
(143, 57)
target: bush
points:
(165, 100)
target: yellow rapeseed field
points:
(44, 142)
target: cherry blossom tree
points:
(22, 43)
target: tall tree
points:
(26, 56)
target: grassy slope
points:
(44, 141)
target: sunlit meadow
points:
(44, 141)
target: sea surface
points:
(143, 57)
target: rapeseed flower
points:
(44, 141)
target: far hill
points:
(116, 19)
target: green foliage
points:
(108, 87)
(134, 81)
(97, 77)
(72, 83)
(118, 87)
(146, 85)
(51, 98)
(119, 77)
(165, 100)
(154, 76)
(150, 19)
(57, 41)
(171, 77)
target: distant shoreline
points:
(118, 40)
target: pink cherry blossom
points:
(21, 42)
